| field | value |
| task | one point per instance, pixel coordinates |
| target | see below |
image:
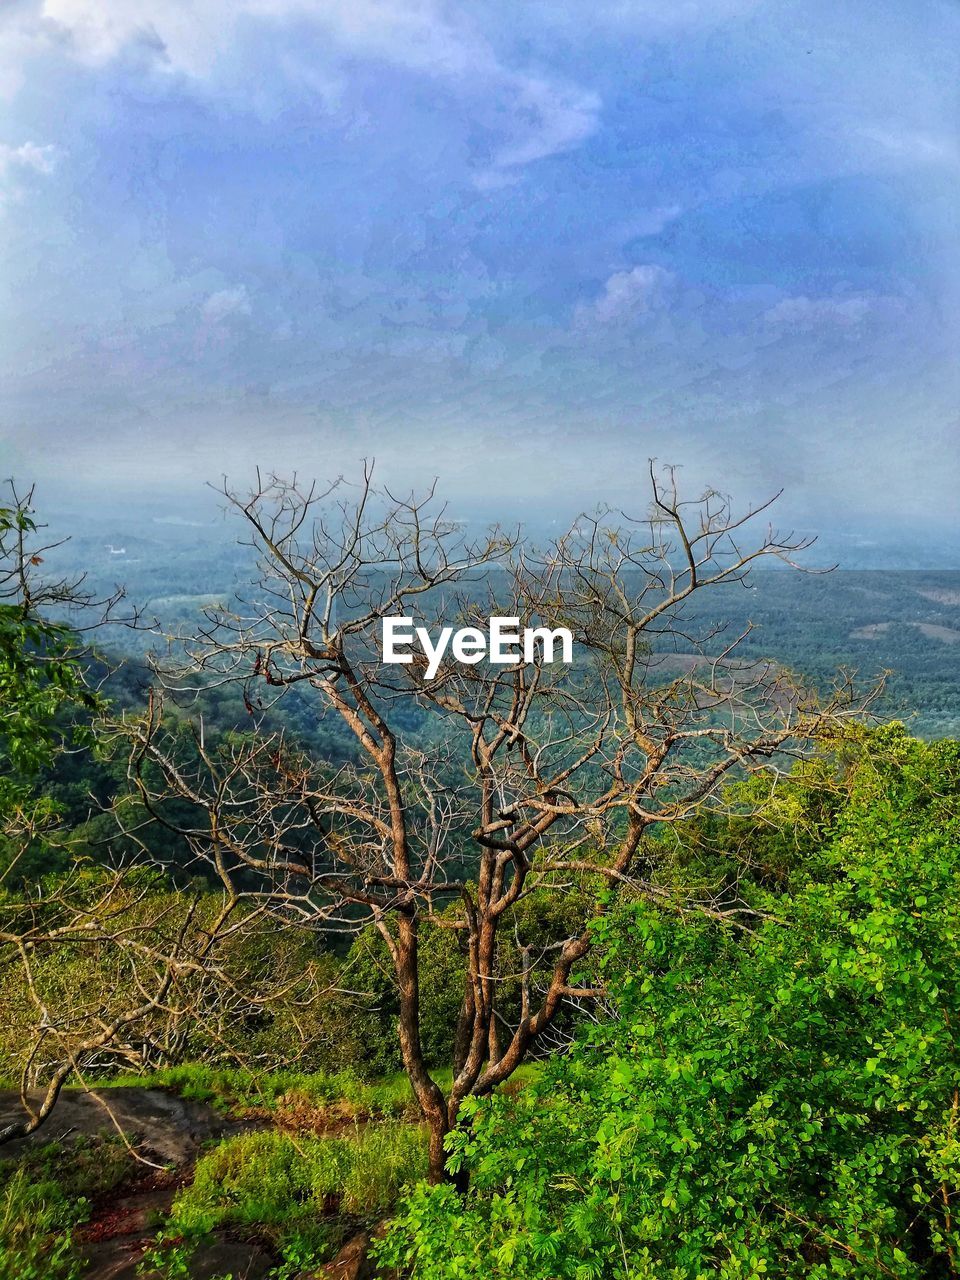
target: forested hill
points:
(904, 622)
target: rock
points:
(169, 1127)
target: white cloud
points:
(28, 156)
(626, 296)
(549, 118)
(227, 304)
(536, 115)
(428, 34)
(803, 314)
(95, 31)
(17, 163)
(913, 146)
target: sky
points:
(522, 247)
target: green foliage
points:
(44, 1195)
(776, 1103)
(381, 1160)
(37, 672)
(369, 970)
(43, 691)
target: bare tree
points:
(86, 963)
(93, 955)
(534, 773)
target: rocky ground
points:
(166, 1133)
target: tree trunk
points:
(438, 1155)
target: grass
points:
(304, 1191)
(235, 1090)
(35, 1222)
(44, 1195)
(300, 1192)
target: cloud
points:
(550, 118)
(805, 315)
(913, 147)
(626, 296)
(182, 35)
(428, 34)
(17, 163)
(535, 114)
(28, 156)
(227, 304)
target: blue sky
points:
(523, 246)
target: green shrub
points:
(778, 1103)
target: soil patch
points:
(165, 1129)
